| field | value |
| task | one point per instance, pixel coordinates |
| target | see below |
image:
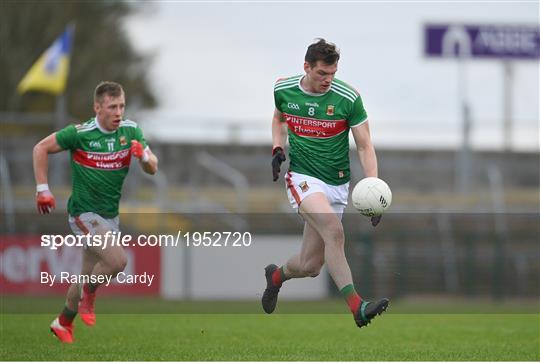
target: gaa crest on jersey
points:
(304, 186)
(95, 144)
(341, 174)
(123, 141)
(330, 110)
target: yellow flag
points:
(49, 73)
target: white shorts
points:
(299, 186)
(92, 223)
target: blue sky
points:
(215, 64)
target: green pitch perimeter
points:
(281, 337)
(259, 337)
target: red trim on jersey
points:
(104, 161)
(290, 185)
(311, 127)
(81, 225)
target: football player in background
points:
(101, 150)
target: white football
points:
(371, 196)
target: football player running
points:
(316, 111)
(101, 150)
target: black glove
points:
(375, 220)
(278, 156)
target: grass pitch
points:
(255, 337)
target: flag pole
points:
(61, 117)
(58, 168)
(49, 74)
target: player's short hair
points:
(323, 51)
(107, 88)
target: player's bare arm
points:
(366, 150)
(41, 157)
(151, 166)
(279, 130)
(147, 159)
(367, 156)
(279, 138)
(44, 198)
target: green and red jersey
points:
(318, 127)
(99, 162)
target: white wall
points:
(234, 272)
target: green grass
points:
(256, 337)
(154, 329)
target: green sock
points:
(282, 274)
